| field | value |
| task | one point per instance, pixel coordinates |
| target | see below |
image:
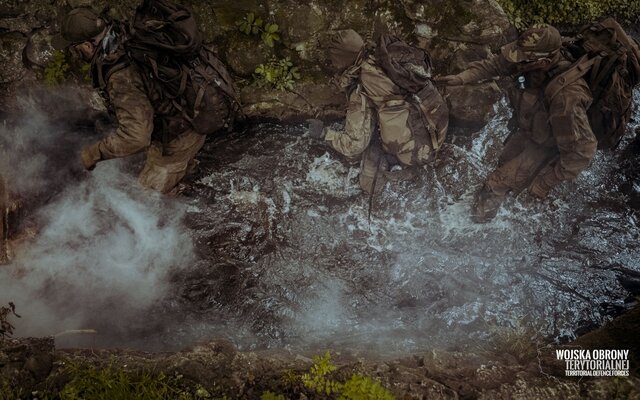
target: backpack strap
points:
(576, 71)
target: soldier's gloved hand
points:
(450, 80)
(316, 128)
(90, 155)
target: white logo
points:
(594, 362)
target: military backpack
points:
(191, 82)
(609, 61)
(420, 110)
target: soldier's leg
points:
(167, 164)
(372, 168)
(517, 173)
(513, 146)
(519, 164)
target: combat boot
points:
(485, 205)
(372, 169)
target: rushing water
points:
(289, 253)
(289, 256)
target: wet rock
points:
(301, 22)
(471, 106)
(28, 361)
(38, 50)
(11, 46)
(310, 100)
(246, 54)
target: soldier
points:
(389, 95)
(553, 142)
(148, 118)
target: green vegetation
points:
(57, 68)
(6, 329)
(252, 25)
(270, 34)
(317, 379)
(358, 387)
(114, 383)
(526, 13)
(271, 396)
(277, 74)
(85, 70)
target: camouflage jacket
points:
(129, 102)
(560, 122)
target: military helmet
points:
(344, 47)
(533, 44)
(80, 25)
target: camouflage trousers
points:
(523, 160)
(520, 162)
(168, 163)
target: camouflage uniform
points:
(147, 120)
(553, 142)
(375, 104)
(167, 162)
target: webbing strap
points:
(575, 72)
(603, 74)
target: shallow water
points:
(303, 266)
(271, 245)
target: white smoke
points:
(103, 248)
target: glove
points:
(90, 155)
(450, 80)
(316, 128)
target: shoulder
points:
(575, 92)
(126, 78)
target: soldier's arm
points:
(494, 66)
(575, 140)
(359, 126)
(135, 119)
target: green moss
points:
(57, 68)
(525, 13)
(271, 396)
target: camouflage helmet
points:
(533, 44)
(344, 47)
(80, 25)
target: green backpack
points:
(609, 61)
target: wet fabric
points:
(343, 48)
(167, 162)
(553, 142)
(378, 104)
(534, 43)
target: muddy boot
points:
(372, 170)
(485, 205)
